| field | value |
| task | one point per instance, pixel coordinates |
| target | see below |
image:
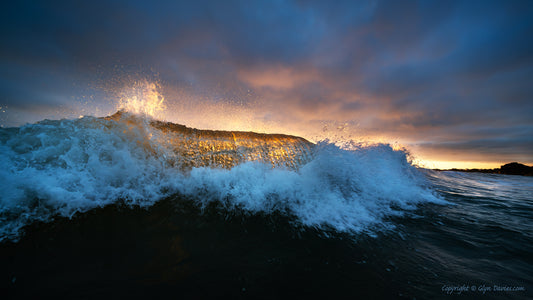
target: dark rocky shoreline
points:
(513, 168)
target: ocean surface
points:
(130, 207)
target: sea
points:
(130, 207)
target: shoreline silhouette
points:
(513, 168)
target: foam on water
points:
(66, 166)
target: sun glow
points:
(143, 98)
(447, 165)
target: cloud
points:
(426, 73)
(277, 78)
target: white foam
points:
(345, 190)
(68, 166)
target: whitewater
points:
(63, 167)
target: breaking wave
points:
(62, 167)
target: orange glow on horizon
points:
(447, 165)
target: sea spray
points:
(142, 98)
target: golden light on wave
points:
(190, 147)
(143, 98)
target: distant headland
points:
(513, 168)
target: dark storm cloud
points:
(416, 70)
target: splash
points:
(143, 98)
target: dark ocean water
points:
(107, 208)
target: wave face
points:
(205, 148)
(61, 167)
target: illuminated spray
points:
(143, 98)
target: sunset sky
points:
(450, 80)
